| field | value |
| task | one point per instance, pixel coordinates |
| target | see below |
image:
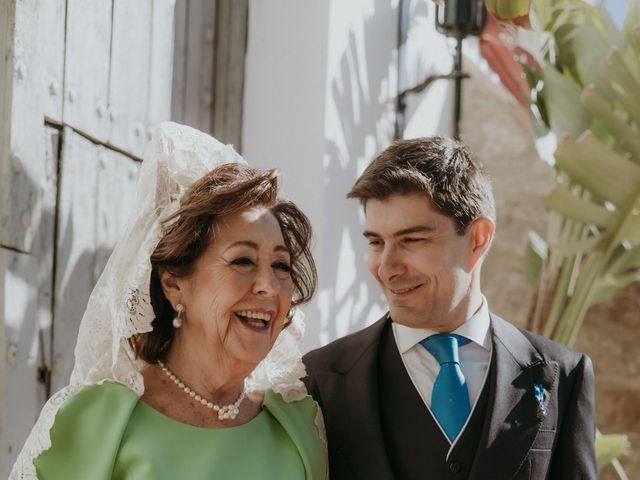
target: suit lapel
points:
(514, 414)
(356, 425)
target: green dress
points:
(106, 432)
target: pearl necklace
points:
(224, 412)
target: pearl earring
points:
(177, 320)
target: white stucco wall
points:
(320, 83)
(320, 88)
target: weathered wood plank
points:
(7, 62)
(129, 92)
(27, 282)
(51, 63)
(93, 201)
(7, 28)
(162, 33)
(87, 56)
(76, 243)
(96, 193)
(230, 47)
(179, 61)
(7, 32)
(199, 67)
(26, 172)
(27, 185)
(117, 179)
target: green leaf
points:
(630, 229)
(599, 169)
(632, 52)
(609, 447)
(509, 10)
(632, 17)
(624, 260)
(566, 113)
(627, 135)
(633, 37)
(619, 74)
(577, 208)
(610, 31)
(604, 293)
(625, 87)
(537, 108)
(535, 258)
(579, 246)
(540, 14)
(623, 269)
(610, 285)
(564, 37)
(591, 49)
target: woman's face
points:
(239, 292)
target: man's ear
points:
(171, 287)
(480, 234)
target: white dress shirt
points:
(474, 356)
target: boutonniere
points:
(539, 393)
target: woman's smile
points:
(257, 320)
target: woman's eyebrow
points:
(255, 246)
(244, 243)
(281, 248)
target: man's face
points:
(422, 264)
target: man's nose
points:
(391, 264)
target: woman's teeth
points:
(258, 315)
(255, 319)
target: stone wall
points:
(611, 336)
(497, 130)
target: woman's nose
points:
(266, 282)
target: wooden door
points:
(209, 66)
(81, 85)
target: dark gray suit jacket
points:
(522, 438)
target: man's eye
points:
(243, 261)
(375, 243)
(412, 239)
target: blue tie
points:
(450, 397)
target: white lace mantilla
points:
(120, 306)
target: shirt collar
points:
(475, 329)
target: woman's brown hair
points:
(225, 190)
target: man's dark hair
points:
(441, 168)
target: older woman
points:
(177, 375)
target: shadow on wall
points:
(27, 292)
(427, 54)
(359, 124)
(77, 274)
(48, 282)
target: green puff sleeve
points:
(87, 432)
(298, 420)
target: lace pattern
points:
(120, 306)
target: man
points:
(440, 387)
